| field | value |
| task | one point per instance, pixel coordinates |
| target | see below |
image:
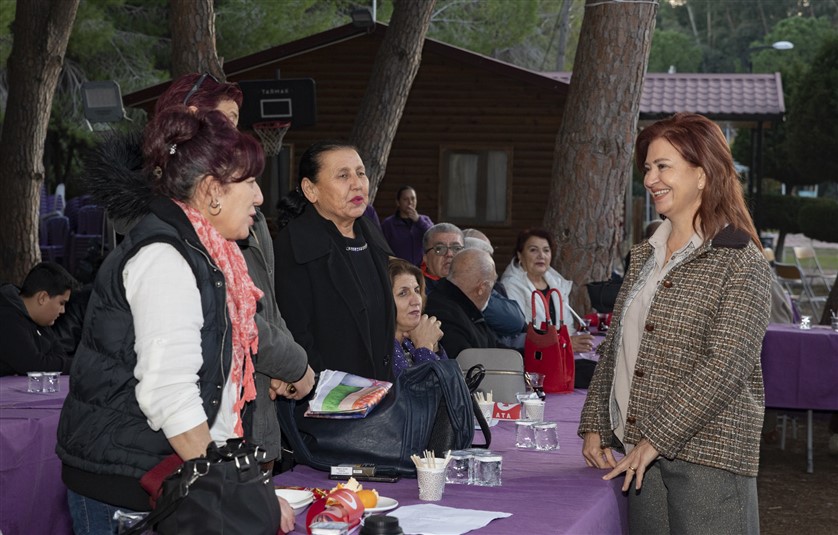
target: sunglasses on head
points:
(197, 86)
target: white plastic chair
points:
(795, 283)
(807, 260)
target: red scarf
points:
(242, 296)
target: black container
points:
(381, 525)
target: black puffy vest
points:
(102, 429)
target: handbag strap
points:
(544, 302)
(561, 303)
(474, 376)
(236, 449)
(484, 425)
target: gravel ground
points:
(790, 500)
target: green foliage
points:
(483, 26)
(247, 26)
(674, 48)
(781, 212)
(817, 219)
(813, 119)
(7, 15)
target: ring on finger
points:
(632, 468)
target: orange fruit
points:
(368, 497)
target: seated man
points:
(26, 316)
(460, 299)
(440, 243)
(502, 314)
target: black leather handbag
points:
(225, 492)
(429, 407)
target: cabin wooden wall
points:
(453, 102)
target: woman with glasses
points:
(331, 279)
(530, 271)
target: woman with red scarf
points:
(164, 365)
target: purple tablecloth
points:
(546, 492)
(800, 367)
(32, 497)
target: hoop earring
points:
(215, 205)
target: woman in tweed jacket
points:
(679, 384)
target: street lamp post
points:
(755, 174)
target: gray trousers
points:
(684, 498)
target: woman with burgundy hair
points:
(164, 365)
(678, 387)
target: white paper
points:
(430, 519)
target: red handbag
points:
(549, 351)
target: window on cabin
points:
(475, 185)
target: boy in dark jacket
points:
(26, 317)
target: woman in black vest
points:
(164, 365)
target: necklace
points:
(356, 249)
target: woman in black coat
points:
(331, 278)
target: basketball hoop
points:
(271, 134)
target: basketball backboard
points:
(292, 100)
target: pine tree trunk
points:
(192, 24)
(593, 155)
(41, 30)
(395, 67)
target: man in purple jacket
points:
(404, 229)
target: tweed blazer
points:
(697, 392)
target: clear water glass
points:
(805, 322)
(50, 383)
(546, 436)
(487, 470)
(36, 382)
(524, 434)
(459, 468)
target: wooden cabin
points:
(476, 138)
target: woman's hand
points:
(297, 390)
(634, 464)
(582, 343)
(304, 385)
(427, 333)
(595, 455)
(287, 518)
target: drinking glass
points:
(487, 470)
(546, 436)
(36, 382)
(524, 434)
(805, 322)
(459, 468)
(50, 383)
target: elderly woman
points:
(281, 364)
(164, 365)
(530, 271)
(679, 386)
(331, 279)
(417, 334)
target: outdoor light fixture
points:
(362, 18)
(783, 45)
(779, 45)
(102, 102)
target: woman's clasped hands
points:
(634, 464)
(427, 333)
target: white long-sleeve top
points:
(166, 305)
(520, 288)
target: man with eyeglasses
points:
(440, 243)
